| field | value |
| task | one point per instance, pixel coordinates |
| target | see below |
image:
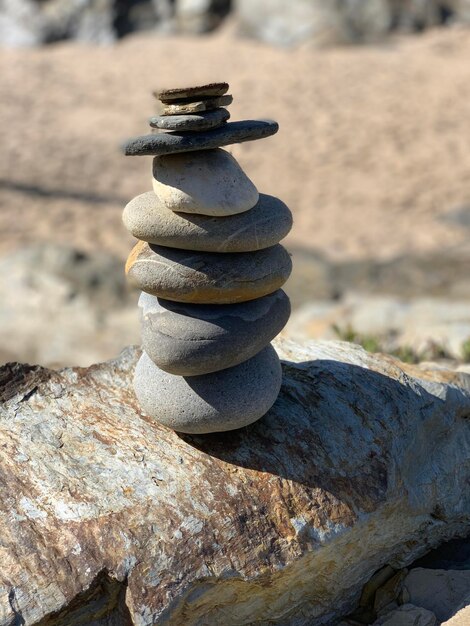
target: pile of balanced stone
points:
(210, 268)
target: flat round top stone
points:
(199, 91)
(171, 143)
(205, 120)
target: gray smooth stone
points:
(192, 339)
(191, 122)
(263, 226)
(207, 277)
(195, 92)
(225, 400)
(158, 144)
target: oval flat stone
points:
(225, 400)
(193, 122)
(207, 277)
(199, 91)
(210, 182)
(263, 226)
(192, 339)
(158, 144)
(205, 104)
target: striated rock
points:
(207, 277)
(198, 106)
(269, 221)
(362, 461)
(209, 90)
(190, 339)
(195, 121)
(439, 591)
(210, 182)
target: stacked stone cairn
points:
(210, 268)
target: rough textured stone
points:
(439, 591)
(200, 91)
(408, 615)
(207, 277)
(170, 143)
(194, 122)
(209, 182)
(263, 226)
(204, 104)
(361, 461)
(225, 400)
(190, 339)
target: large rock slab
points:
(207, 277)
(191, 339)
(362, 461)
(269, 221)
(171, 143)
(210, 182)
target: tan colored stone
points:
(208, 90)
(207, 277)
(204, 104)
(207, 182)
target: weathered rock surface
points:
(171, 143)
(269, 221)
(192, 93)
(205, 104)
(207, 277)
(362, 461)
(196, 121)
(225, 400)
(190, 339)
(210, 182)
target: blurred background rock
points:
(372, 157)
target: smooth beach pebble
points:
(181, 107)
(194, 122)
(221, 401)
(192, 339)
(171, 143)
(210, 182)
(263, 226)
(199, 91)
(207, 277)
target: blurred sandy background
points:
(372, 157)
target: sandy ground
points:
(373, 155)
